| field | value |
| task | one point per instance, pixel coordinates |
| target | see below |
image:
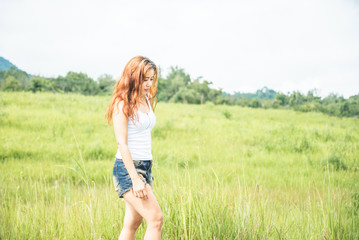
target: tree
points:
(179, 74)
(175, 80)
(282, 99)
(265, 93)
(255, 103)
(41, 84)
(202, 88)
(311, 96)
(214, 94)
(223, 100)
(21, 77)
(332, 98)
(162, 94)
(296, 98)
(106, 83)
(244, 102)
(77, 82)
(11, 84)
(187, 95)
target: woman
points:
(130, 109)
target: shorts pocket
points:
(120, 170)
(137, 163)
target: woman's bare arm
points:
(121, 131)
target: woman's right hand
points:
(139, 188)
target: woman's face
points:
(146, 85)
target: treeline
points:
(179, 87)
(332, 104)
(17, 80)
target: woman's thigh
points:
(149, 209)
(132, 215)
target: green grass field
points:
(221, 172)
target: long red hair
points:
(128, 87)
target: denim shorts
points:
(122, 180)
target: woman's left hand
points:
(139, 188)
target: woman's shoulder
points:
(118, 106)
(120, 102)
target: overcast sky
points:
(238, 45)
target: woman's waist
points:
(139, 138)
(135, 160)
(137, 154)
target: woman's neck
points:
(143, 98)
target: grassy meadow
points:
(221, 172)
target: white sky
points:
(238, 45)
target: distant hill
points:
(6, 64)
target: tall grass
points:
(220, 172)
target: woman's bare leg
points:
(131, 222)
(149, 210)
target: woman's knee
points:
(132, 223)
(156, 220)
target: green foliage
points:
(242, 102)
(77, 82)
(11, 84)
(223, 100)
(264, 93)
(41, 84)
(282, 99)
(187, 95)
(106, 84)
(334, 161)
(14, 79)
(255, 103)
(266, 104)
(227, 114)
(176, 80)
(349, 108)
(308, 107)
(214, 94)
(296, 98)
(203, 89)
(355, 199)
(179, 87)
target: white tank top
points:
(139, 135)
